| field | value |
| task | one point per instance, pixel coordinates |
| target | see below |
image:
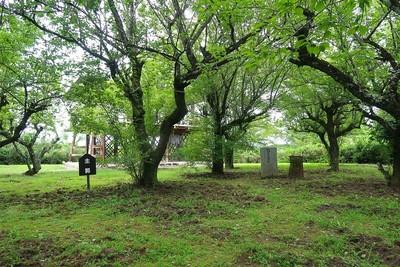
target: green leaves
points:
(29, 79)
(313, 49)
(361, 29)
(320, 6)
(298, 11)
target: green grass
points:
(348, 218)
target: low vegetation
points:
(192, 218)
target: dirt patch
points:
(260, 257)
(338, 208)
(109, 255)
(3, 234)
(360, 187)
(32, 252)
(192, 201)
(365, 245)
(337, 262)
(76, 258)
(231, 175)
(182, 201)
(245, 259)
(170, 190)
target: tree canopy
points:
(29, 77)
(360, 52)
(145, 56)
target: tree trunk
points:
(218, 154)
(395, 178)
(229, 157)
(151, 158)
(218, 158)
(148, 176)
(333, 153)
(333, 149)
(35, 160)
(145, 175)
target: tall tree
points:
(29, 78)
(234, 97)
(122, 34)
(363, 59)
(321, 106)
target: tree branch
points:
(69, 39)
(385, 55)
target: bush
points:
(56, 155)
(359, 152)
(311, 152)
(9, 156)
(197, 148)
(247, 156)
(366, 152)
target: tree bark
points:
(217, 154)
(333, 151)
(151, 158)
(229, 157)
(166, 128)
(395, 178)
(145, 175)
(148, 177)
(332, 147)
(217, 157)
(35, 160)
(32, 157)
(16, 134)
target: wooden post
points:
(296, 167)
(87, 144)
(103, 147)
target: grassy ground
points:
(194, 219)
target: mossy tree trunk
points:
(229, 157)
(395, 177)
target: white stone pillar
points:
(269, 162)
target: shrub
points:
(366, 152)
(311, 152)
(247, 156)
(56, 155)
(9, 156)
(197, 148)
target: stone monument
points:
(269, 162)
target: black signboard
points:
(87, 165)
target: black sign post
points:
(87, 164)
